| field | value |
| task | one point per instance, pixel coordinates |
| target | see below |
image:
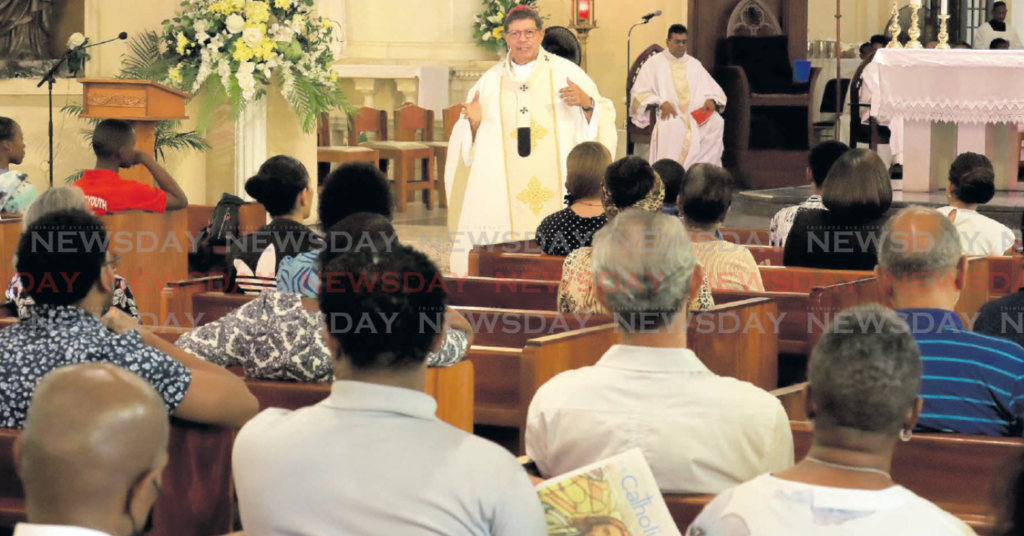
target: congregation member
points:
(822, 157)
(922, 270)
(275, 337)
(72, 321)
(866, 50)
(972, 183)
(391, 467)
(283, 187)
(573, 227)
(997, 28)
(864, 375)
(113, 142)
(999, 44)
(707, 195)
(701, 433)
(52, 200)
(844, 235)
(92, 455)
(15, 191)
(680, 87)
(628, 183)
(672, 175)
(500, 189)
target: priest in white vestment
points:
(506, 157)
(997, 28)
(679, 85)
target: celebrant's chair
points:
(635, 134)
(404, 153)
(870, 133)
(412, 122)
(327, 154)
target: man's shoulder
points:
(972, 342)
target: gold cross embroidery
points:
(535, 195)
(537, 133)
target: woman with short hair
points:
(864, 376)
(857, 194)
(573, 227)
(972, 183)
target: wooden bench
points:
(1005, 274)
(747, 237)
(197, 496)
(452, 387)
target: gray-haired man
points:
(701, 433)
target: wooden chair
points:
(635, 134)
(412, 122)
(872, 133)
(404, 153)
(329, 154)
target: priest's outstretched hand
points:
(473, 111)
(573, 95)
(668, 111)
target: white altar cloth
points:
(980, 91)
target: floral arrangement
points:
(489, 24)
(77, 54)
(235, 49)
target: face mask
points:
(147, 527)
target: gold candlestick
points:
(894, 28)
(915, 29)
(943, 34)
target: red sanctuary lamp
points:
(584, 19)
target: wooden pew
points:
(1005, 274)
(10, 233)
(747, 237)
(197, 496)
(452, 387)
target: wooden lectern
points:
(141, 102)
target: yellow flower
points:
(174, 75)
(183, 43)
(242, 52)
(282, 4)
(266, 49)
(498, 32)
(257, 12)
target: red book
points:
(702, 116)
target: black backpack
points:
(222, 225)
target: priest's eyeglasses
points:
(526, 34)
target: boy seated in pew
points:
(95, 435)
(274, 337)
(972, 382)
(701, 433)
(864, 376)
(113, 141)
(66, 269)
(373, 458)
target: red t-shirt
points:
(106, 191)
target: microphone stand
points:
(49, 79)
(629, 65)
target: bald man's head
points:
(93, 433)
(919, 241)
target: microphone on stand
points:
(51, 77)
(647, 18)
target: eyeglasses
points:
(527, 34)
(112, 262)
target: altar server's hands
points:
(668, 111)
(573, 95)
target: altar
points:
(952, 102)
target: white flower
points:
(235, 23)
(252, 37)
(283, 33)
(246, 81)
(76, 40)
(486, 36)
(201, 37)
(201, 26)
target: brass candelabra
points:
(943, 33)
(894, 28)
(915, 28)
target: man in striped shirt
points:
(972, 383)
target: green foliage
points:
(144, 60)
(310, 100)
(489, 24)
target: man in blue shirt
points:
(972, 383)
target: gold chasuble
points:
(505, 181)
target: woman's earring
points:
(906, 435)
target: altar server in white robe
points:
(678, 84)
(997, 28)
(506, 157)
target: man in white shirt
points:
(700, 433)
(373, 458)
(819, 164)
(92, 453)
(679, 85)
(997, 28)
